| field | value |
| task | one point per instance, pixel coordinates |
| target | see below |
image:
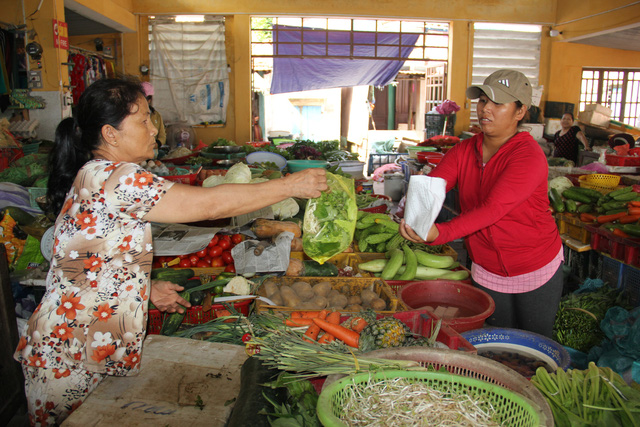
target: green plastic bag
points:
(31, 255)
(330, 220)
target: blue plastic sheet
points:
(327, 64)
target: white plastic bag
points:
(425, 198)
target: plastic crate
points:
(613, 160)
(195, 315)
(621, 276)
(621, 248)
(573, 227)
(380, 159)
(434, 123)
(582, 265)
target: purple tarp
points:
(317, 71)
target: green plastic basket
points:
(511, 408)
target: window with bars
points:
(617, 89)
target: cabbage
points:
(238, 174)
(560, 183)
(287, 208)
(213, 180)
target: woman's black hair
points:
(571, 114)
(105, 102)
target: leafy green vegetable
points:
(330, 220)
(300, 407)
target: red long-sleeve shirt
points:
(504, 207)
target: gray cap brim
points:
(494, 93)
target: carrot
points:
(620, 233)
(347, 336)
(629, 219)
(304, 314)
(334, 317)
(633, 210)
(634, 203)
(294, 323)
(326, 338)
(609, 218)
(358, 324)
(313, 330)
(587, 217)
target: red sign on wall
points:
(60, 35)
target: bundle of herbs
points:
(577, 323)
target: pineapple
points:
(383, 333)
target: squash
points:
(265, 228)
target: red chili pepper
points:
(246, 337)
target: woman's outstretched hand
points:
(308, 183)
(408, 233)
(164, 295)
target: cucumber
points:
(593, 194)
(556, 200)
(586, 207)
(373, 266)
(411, 264)
(431, 260)
(172, 322)
(395, 262)
(196, 298)
(571, 205)
(575, 195)
(173, 275)
(621, 191)
(192, 283)
(315, 269)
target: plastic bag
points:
(330, 220)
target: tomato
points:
(217, 262)
(215, 251)
(203, 253)
(194, 259)
(237, 238)
(213, 242)
(224, 244)
(185, 263)
(156, 264)
(203, 264)
(230, 268)
(226, 237)
(208, 259)
(227, 258)
(184, 256)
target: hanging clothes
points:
(87, 69)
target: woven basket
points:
(467, 365)
(510, 408)
(604, 183)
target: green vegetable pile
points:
(596, 396)
(577, 323)
(330, 220)
(299, 407)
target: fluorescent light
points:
(190, 18)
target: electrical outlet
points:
(35, 79)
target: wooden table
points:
(174, 372)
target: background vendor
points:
(568, 139)
(510, 234)
(156, 118)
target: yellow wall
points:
(567, 60)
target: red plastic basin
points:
(474, 305)
(429, 157)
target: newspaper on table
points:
(274, 257)
(180, 239)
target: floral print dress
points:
(94, 312)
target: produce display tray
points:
(355, 286)
(614, 160)
(573, 227)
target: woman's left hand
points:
(408, 233)
(164, 295)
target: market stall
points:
(287, 301)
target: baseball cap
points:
(147, 88)
(504, 86)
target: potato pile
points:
(302, 295)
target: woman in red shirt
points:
(511, 237)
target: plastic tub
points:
(520, 341)
(351, 167)
(429, 157)
(474, 305)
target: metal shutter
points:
(497, 46)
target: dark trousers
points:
(533, 311)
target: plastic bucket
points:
(353, 168)
(393, 186)
(474, 305)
